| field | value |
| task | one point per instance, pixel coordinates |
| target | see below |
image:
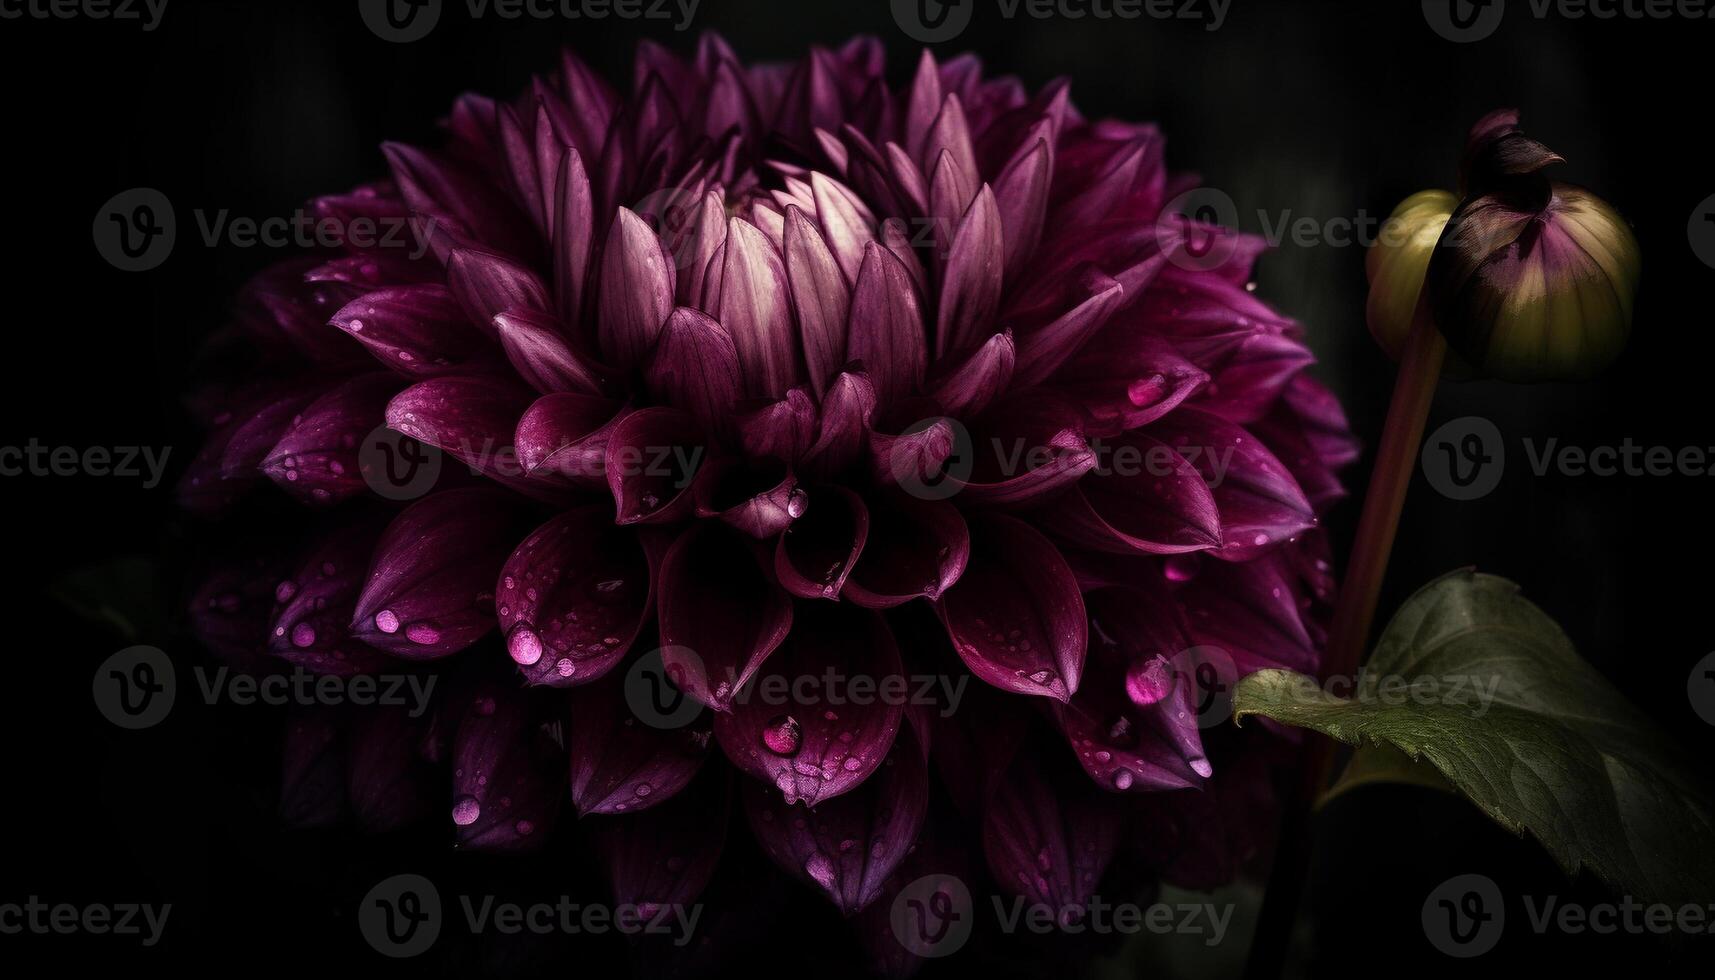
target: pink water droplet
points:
(783, 736)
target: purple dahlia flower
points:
(798, 383)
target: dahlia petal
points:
(1043, 350)
(1250, 610)
(429, 591)
(1049, 838)
(508, 780)
(230, 611)
(573, 236)
(565, 435)
(898, 242)
(821, 297)
(1323, 420)
(695, 367)
(311, 764)
(573, 596)
(970, 290)
(782, 429)
(470, 417)
(847, 846)
(816, 554)
(848, 410)
(372, 271)
(1016, 617)
(1249, 383)
(949, 199)
(919, 460)
(487, 285)
(289, 316)
(636, 291)
(907, 178)
(886, 329)
(620, 765)
(1153, 502)
(387, 780)
(699, 249)
(417, 330)
(535, 343)
(759, 497)
(1127, 381)
(923, 104)
(249, 443)
(720, 615)
(1021, 192)
(847, 225)
(1028, 448)
(1261, 505)
(915, 548)
(652, 456)
(1122, 744)
(664, 856)
(518, 147)
(310, 627)
(950, 136)
(812, 742)
(974, 746)
(317, 458)
(756, 310)
(968, 388)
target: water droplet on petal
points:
(782, 736)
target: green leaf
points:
(1372, 764)
(1551, 749)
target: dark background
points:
(1318, 109)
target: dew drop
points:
(782, 736)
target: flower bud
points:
(1397, 264)
(1528, 279)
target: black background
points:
(1318, 109)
